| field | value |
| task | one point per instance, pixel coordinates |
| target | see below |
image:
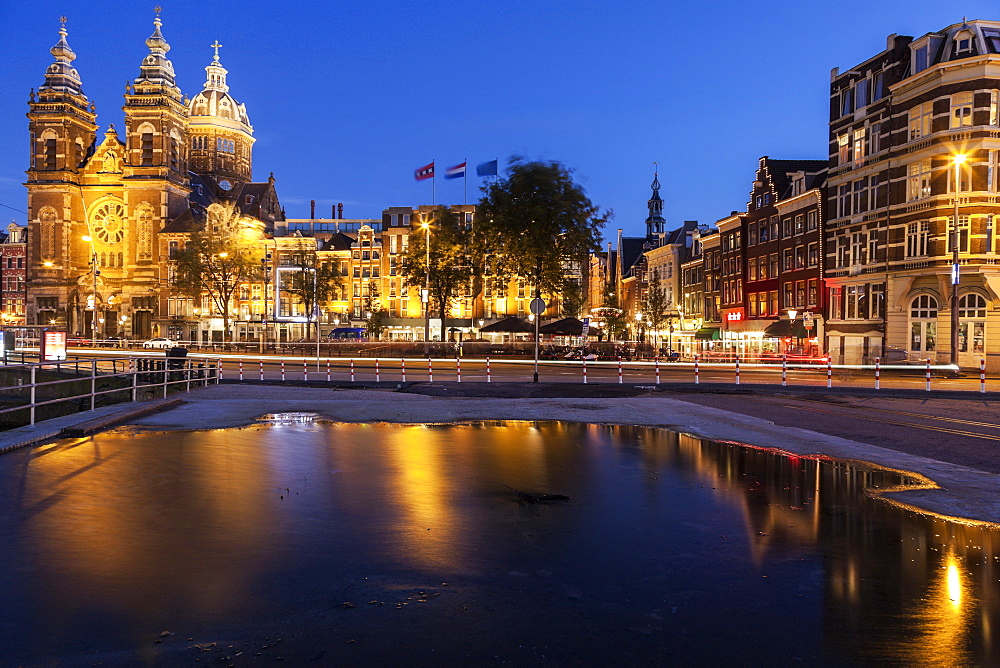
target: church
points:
(105, 212)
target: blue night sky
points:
(348, 98)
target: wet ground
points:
(344, 544)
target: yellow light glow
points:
(223, 254)
(954, 583)
(959, 158)
(47, 263)
(86, 237)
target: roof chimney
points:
(340, 210)
(312, 209)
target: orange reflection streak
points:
(423, 491)
(87, 529)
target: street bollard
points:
(928, 375)
(982, 375)
(218, 364)
(458, 369)
(328, 369)
(620, 381)
(584, 370)
(305, 370)
(878, 372)
(262, 369)
(430, 370)
(784, 370)
(352, 371)
(829, 372)
(241, 369)
(402, 370)
(377, 374)
(697, 381)
(737, 369)
(657, 370)
(488, 370)
(282, 371)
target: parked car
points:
(112, 342)
(159, 342)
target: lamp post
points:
(426, 295)
(791, 319)
(263, 316)
(94, 274)
(958, 160)
(638, 333)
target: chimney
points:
(340, 210)
(333, 211)
(312, 209)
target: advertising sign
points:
(52, 345)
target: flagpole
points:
(434, 182)
(465, 183)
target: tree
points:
(450, 271)
(315, 282)
(656, 302)
(614, 317)
(572, 299)
(374, 313)
(534, 223)
(220, 257)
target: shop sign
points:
(734, 315)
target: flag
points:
(487, 168)
(456, 172)
(425, 172)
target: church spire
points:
(215, 78)
(156, 68)
(61, 76)
(655, 222)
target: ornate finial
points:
(62, 20)
(215, 45)
(656, 176)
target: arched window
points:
(923, 324)
(49, 139)
(121, 259)
(972, 305)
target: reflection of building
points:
(12, 283)
(105, 214)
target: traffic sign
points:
(537, 306)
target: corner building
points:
(897, 123)
(105, 212)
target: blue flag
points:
(487, 168)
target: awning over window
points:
(785, 329)
(708, 334)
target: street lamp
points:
(94, 274)
(958, 159)
(426, 295)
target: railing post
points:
(829, 372)
(378, 375)
(488, 380)
(927, 375)
(241, 369)
(737, 369)
(982, 375)
(327, 370)
(878, 372)
(784, 370)
(32, 418)
(305, 370)
(93, 382)
(697, 380)
(620, 380)
(458, 369)
(402, 369)
(657, 369)
(132, 374)
(282, 371)
(262, 369)
(430, 370)
(188, 370)
(584, 370)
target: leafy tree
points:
(572, 299)
(533, 223)
(656, 302)
(614, 317)
(374, 313)
(450, 271)
(314, 282)
(217, 259)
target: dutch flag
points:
(456, 172)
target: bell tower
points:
(654, 221)
(62, 131)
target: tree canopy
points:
(218, 258)
(534, 222)
(313, 282)
(449, 271)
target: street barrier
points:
(377, 374)
(402, 370)
(784, 370)
(241, 370)
(737, 369)
(928, 388)
(878, 369)
(829, 372)
(982, 375)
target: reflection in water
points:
(669, 547)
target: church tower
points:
(654, 221)
(219, 130)
(62, 130)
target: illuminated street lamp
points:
(94, 273)
(426, 295)
(958, 159)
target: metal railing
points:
(42, 393)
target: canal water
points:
(348, 544)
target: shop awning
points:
(786, 329)
(708, 334)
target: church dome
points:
(214, 103)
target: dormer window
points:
(992, 38)
(963, 42)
